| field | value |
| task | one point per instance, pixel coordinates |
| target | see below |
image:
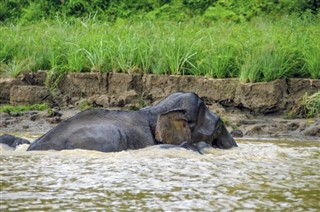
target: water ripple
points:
(256, 176)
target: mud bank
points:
(249, 109)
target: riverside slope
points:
(256, 109)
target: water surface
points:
(259, 175)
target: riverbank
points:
(241, 125)
(251, 110)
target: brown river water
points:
(257, 176)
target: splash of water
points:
(256, 176)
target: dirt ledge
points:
(249, 109)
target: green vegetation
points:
(85, 105)
(22, 108)
(179, 10)
(311, 105)
(259, 40)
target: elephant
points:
(179, 119)
(12, 141)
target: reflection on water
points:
(256, 176)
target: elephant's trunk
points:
(223, 139)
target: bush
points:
(175, 10)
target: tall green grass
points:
(259, 50)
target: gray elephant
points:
(12, 141)
(180, 119)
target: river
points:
(257, 176)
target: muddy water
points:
(273, 176)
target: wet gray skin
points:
(113, 131)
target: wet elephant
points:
(12, 141)
(179, 118)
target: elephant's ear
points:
(172, 127)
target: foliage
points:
(85, 105)
(15, 67)
(311, 104)
(258, 40)
(179, 10)
(23, 108)
(311, 56)
(259, 50)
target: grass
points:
(311, 104)
(309, 107)
(259, 50)
(23, 108)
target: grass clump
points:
(311, 105)
(311, 56)
(23, 108)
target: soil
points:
(249, 110)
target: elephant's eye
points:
(191, 124)
(219, 129)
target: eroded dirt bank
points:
(249, 109)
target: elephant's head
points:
(172, 127)
(185, 117)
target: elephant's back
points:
(101, 130)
